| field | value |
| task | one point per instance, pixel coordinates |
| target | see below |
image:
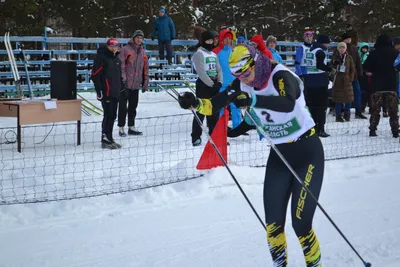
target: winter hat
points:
(271, 39)
(341, 44)
(244, 58)
(308, 32)
(207, 35)
(241, 40)
(323, 39)
(138, 33)
(112, 42)
(396, 41)
(228, 35)
(162, 10)
(346, 35)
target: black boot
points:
(339, 119)
(372, 133)
(359, 115)
(323, 134)
(395, 134)
(346, 116)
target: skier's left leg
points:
(310, 168)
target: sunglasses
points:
(244, 74)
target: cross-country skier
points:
(276, 96)
(209, 82)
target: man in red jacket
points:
(259, 44)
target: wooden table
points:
(35, 112)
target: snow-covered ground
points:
(206, 222)
(201, 222)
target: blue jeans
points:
(338, 108)
(357, 94)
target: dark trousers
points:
(110, 114)
(389, 99)
(317, 103)
(196, 128)
(128, 102)
(306, 156)
(165, 45)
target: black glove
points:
(144, 90)
(217, 86)
(336, 62)
(99, 95)
(188, 100)
(242, 100)
(152, 38)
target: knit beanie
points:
(342, 44)
(346, 35)
(271, 39)
(138, 33)
(323, 39)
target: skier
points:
(276, 94)
(317, 82)
(209, 82)
(301, 62)
(106, 76)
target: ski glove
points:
(244, 100)
(189, 101)
(99, 96)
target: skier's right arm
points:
(123, 57)
(209, 106)
(97, 72)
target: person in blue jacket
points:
(300, 61)
(397, 67)
(225, 51)
(164, 28)
(271, 44)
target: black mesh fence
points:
(51, 167)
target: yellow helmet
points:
(240, 60)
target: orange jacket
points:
(261, 45)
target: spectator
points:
(258, 43)
(317, 82)
(379, 65)
(164, 28)
(106, 76)
(365, 81)
(241, 40)
(135, 76)
(225, 39)
(300, 61)
(223, 52)
(352, 51)
(396, 43)
(208, 83)
(271, 44)
(216, 38)
(342, 90)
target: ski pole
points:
(221, 157)
(261, 130)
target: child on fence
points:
(342, 90)
(209, 82)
